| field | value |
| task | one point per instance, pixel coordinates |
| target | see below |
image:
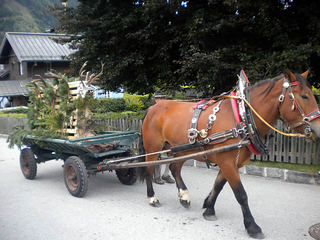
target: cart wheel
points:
(127, 176)
(75, 176)
(28, 163)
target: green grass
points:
(313, 169)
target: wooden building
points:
(24, 55)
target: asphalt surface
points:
(43, 209)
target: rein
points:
(245, 124)
(307, 118)
(264, 121)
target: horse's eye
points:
(305, 97)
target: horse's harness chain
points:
(193, 133)
(212, 118)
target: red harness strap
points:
(236, 114)
(314, 114)
(206, 104)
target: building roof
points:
(35, 47)
(13, 88)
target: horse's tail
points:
(142, 171)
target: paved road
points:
(43, 209)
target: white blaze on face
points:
(184, 195)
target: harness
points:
(213, 139)
(245, 124)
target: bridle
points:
(306, 118)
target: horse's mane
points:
(272, 81)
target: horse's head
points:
(298, 106)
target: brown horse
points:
(167, 122)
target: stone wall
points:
(7, 124)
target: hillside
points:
(27, 15)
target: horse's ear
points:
(305, 74)
(289, 75)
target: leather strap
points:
(238, 120)
(254, 134)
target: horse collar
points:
(257, 145)
(248, 130)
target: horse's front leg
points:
(209, 202)
(231, 173)
(183, 193)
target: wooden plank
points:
(293, 151)
(74, 84)
(317, 153)
(279, 148)
(272, 148)
(285, 146)
(74, 92)
(301, 151)
(308, 153)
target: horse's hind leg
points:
(153, 201)
(209, 202)
(155, 147)
(232, 175)
(183, 194)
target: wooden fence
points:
(281, 148)
(290, 149)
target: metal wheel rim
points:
(25, 165)
(72, 178)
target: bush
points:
(146, 100)
(129, 103)
(133, 102)
(104, 105)
(15, 110)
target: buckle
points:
(281, 97)
(308, 131)
(291, 96)
(192, 134)
(306, 119)
(242, 131)
(200, 106)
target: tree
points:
(200, 43)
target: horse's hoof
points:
(154, 202)
(209, 217)
(209, 214)
(259, 235)
(184, 198)
(185, 203)
(255, 231)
